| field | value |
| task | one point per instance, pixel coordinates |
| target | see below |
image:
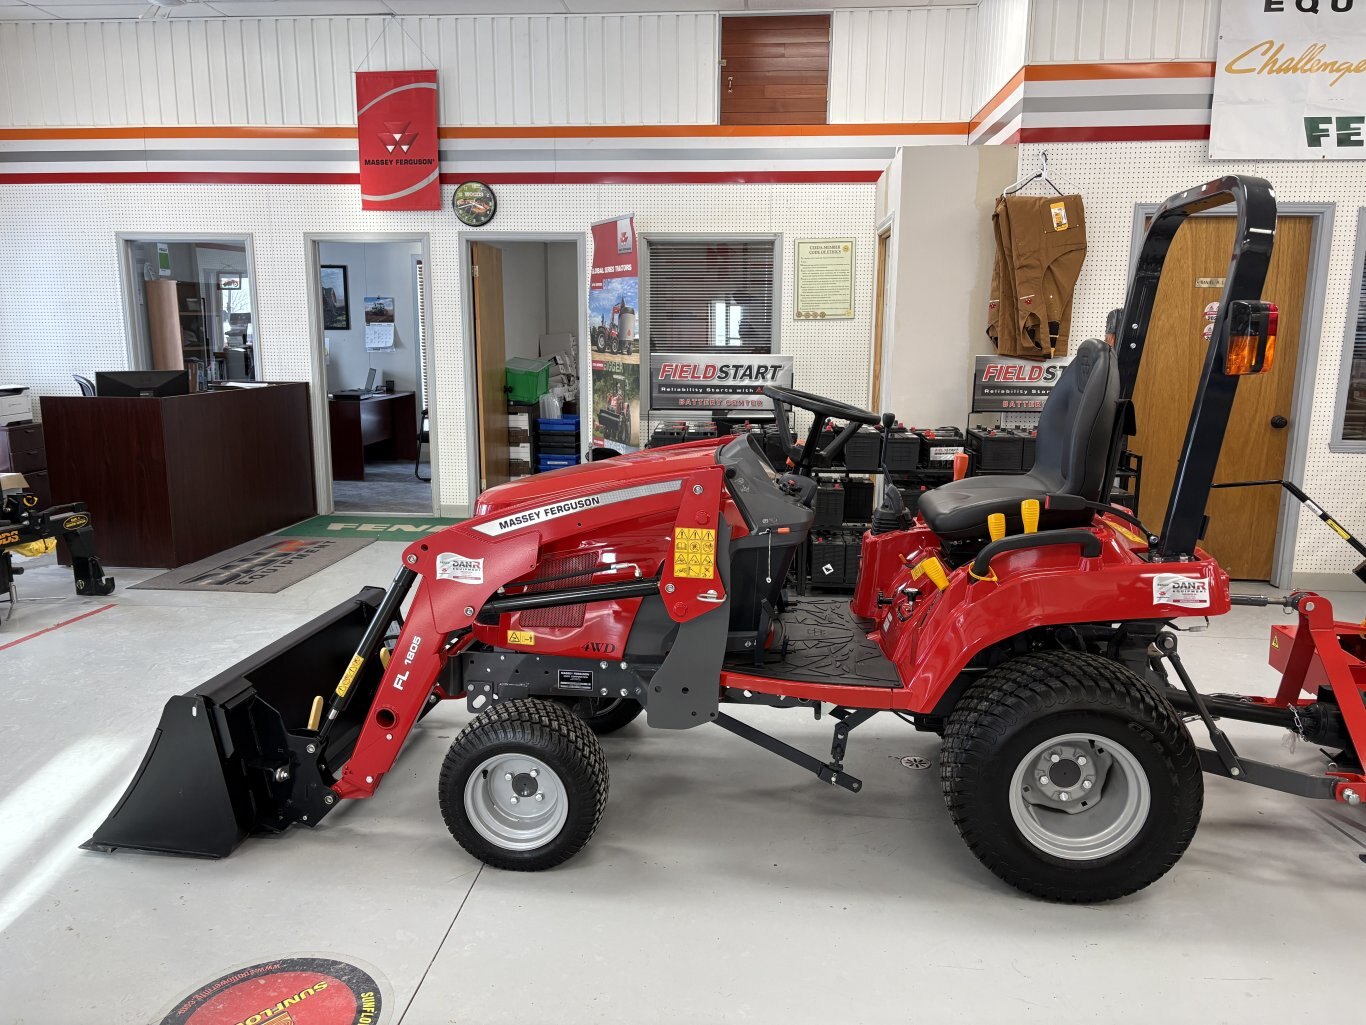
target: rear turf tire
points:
(606, 715)
(1004, 794)
(547, 750)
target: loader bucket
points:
(211, 775)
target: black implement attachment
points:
(242, 754)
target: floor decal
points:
(290, 991)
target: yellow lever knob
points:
(1029, 513)
(996, 525)
(934, 569)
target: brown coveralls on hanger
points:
(1040, 246)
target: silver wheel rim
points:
(516, 802)
(1080, 797)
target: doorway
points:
(884, 240)
(526, 300)
(1251, 530)
(371, 342)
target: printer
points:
(15, 406)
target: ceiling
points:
(93, 10)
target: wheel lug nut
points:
(1061, 797)
(534, 773)
(540, 797)
(1055, 758)
(1086, 784)
(1043, 780)
(514, 800)
(1081, 759)
(507, 776)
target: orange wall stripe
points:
(496, 132)
(1001, 96)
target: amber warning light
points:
(1251, 338)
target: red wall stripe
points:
(493, 178)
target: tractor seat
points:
(1071, 455)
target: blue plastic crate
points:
(564, 424)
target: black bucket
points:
(231, 757)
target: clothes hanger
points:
(1040, 175)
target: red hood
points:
(603, 475)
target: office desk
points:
(173, 480)
(383, 426)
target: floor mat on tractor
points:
(825, 645)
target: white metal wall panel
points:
(1123, 30)
(1000, 42)
(518, 70)
(893, 65)
(1150, 172)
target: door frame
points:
(1306, 367)
(317, 369)
(137, 360)
(463, 240)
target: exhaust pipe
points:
(241, 754)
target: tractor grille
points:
(565, 571)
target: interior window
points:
(1353, 425)
(711, 294)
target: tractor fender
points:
(1030, 589)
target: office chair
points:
(424, 437)
(87, 385)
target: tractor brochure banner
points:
(1290, 81)
(614, 335)
(1001, 384)
(715, 382)
(400, 165)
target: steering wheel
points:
(804, 459)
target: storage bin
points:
(527, 379)
(558, 425)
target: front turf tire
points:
(546, 750)
(1012, 748)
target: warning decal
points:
(297, 990)
(695, 552)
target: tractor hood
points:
(603, 475)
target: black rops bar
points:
(572, 596)
(1255, 203)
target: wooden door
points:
(165, 346)
(775, 70)
(879, 316)
(490, 357)
(1243, 521)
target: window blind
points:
(711, 294)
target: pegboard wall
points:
(1112, 177)
(61, 261)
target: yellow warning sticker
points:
(523, 637)
(695, 552)
(1059, 212)
(349, 676)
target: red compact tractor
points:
(616, 334)
(1022, 617)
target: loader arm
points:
(459, 570)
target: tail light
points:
(1251, 337)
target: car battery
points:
(938, 446)
(911, 494)
(697, 432)
(829, 505)
(674, 432)
(1028, 436)
(903, 450)
(858, 501)
(827, 559)
(995, 449)
(863, 451)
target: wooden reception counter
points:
(173, 480)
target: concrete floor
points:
(724, 885)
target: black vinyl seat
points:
(1070, 457)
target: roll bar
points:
(1255, 202)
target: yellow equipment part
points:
(33, 549)
(1029, 512)
(996, 525)
(932, 568)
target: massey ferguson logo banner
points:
(1290, 81)
(400, 165)
(1004, 385)
(715, 382)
